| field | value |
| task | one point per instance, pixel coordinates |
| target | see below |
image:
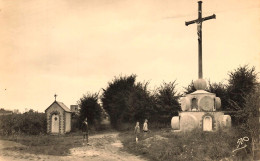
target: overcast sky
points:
(71, 47)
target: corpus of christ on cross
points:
(199, 27)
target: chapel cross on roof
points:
(55, 96)
(199, 32)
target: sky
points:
(71, 47)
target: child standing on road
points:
(85, 131)
(137, 131)
(145, 127)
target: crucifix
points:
(199, 32)
(55, 97)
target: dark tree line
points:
(125, 100)
(128, 101)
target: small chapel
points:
(58, 118)
(200, 109)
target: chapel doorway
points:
(207, 123)
(55, 123)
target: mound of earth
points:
(155, 138)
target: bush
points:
(32, 123)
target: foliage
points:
(31, 123)
(115, 98)
(140, 103)
(90, 108)
(195, 145)
(191, 88)
(241, 83)
(220, 90)
(127, 101)
(167, 104)
(250, 114)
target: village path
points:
(103, 147)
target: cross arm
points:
(190, 22)
(200, 20)
(209, 17)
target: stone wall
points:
(190, 120)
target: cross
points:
(55, 97)
(199, 32)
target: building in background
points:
(16, 111)
(74, 109)
(5, 112)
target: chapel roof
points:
(62, 105)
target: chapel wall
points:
(68, 122)
(55, 108)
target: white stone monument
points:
(200, 109)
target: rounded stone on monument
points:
(200, 84)
(188, 122)
(175, 123)
(206, 103)
(185, 104)
(218, 103)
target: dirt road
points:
(102, 147)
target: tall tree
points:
(241, 83)
(141, 103)
(167, 101)
(115, 98)
(90, 108)
(250, 115)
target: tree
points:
(241, 83)
(191, 88)
(141, 103)
(127, 101)
(167, 101)
(115, 98)
(90, 108)
(251, 113)
(220, 90)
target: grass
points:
(46, 144)
(196, 145)
(58, 145)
